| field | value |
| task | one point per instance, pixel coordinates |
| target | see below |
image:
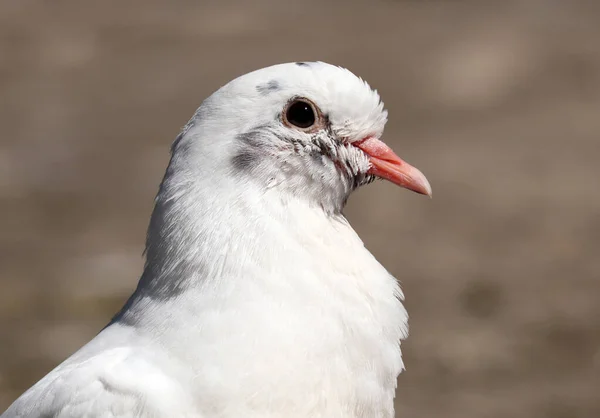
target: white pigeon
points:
(257, 298)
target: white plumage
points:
(258, 299)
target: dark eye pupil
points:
(301, 114)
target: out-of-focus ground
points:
(497, 102)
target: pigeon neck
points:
(195, 228)
(279, 287)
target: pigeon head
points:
(308, 129)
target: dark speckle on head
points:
(268, 87)
(302, 64)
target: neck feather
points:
(279, 287)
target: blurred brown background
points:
(497, 102)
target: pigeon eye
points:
(300, 113)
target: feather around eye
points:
(302, 114)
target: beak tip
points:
(422, 184)
(428, 190)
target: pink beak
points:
(386, 164)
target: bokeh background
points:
(498, 102)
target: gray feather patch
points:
(245, 160)
(248, 155)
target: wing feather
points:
(117, 383)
